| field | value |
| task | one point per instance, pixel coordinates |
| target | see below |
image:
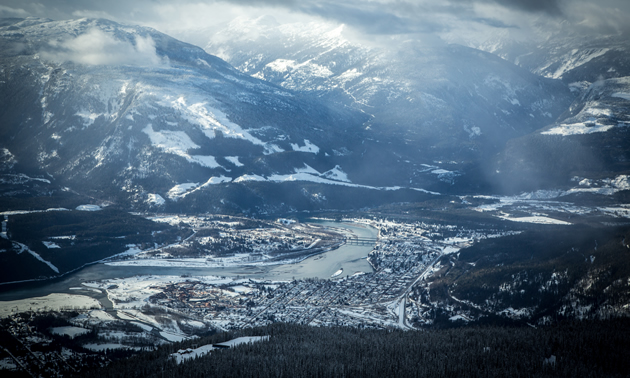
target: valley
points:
(172, 204)
(439, 272)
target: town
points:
(403, 257)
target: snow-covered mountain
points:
(589, 140)
(136, 114)
(433, 95)
(308, 119)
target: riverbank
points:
(322, 265)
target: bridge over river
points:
(361, 241)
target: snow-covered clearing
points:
(51, 302)
(534, 219)
(242, 340)
(579, 128)
(189, 354)
(88, 208)
(102, 347)
(19, 212)
(50, 245)
(156, 199)
(234, 160)
(174, 337)
(92, 317)
(308, 147)
(178, 143)
(70, 331)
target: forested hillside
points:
(576, 349)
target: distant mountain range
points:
(307, 120)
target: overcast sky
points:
(462, 21)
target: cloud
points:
(371, 19)
(100, 48)
(92, 14)
(551, 7)
(458, 20)
(12, 12)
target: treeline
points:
(571, 349)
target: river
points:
(350, 258)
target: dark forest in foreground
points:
(579, 349)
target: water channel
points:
(350, 258)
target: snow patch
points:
(88, 117)
(336, 174)
(211, 120)
(579, 128)
(156, 199)
(178, 143)
(282, 65)
(72, 332)
(183, 355)
(234, 160)
(250, 178)
(88, 208)
(308, 147)
(52, 302)
(179, 190)
(534, 219)
(242, 340)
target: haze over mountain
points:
(184, 168)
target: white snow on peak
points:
(282, 65)
(308, 147)
(307, 69)
(575, 59)
(625, 96)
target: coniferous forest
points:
(570, 349)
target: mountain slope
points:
(588, 141)
(443, 102)
(133, 114)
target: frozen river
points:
(350, 258)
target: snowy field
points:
(52, 302)
(70, 331)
